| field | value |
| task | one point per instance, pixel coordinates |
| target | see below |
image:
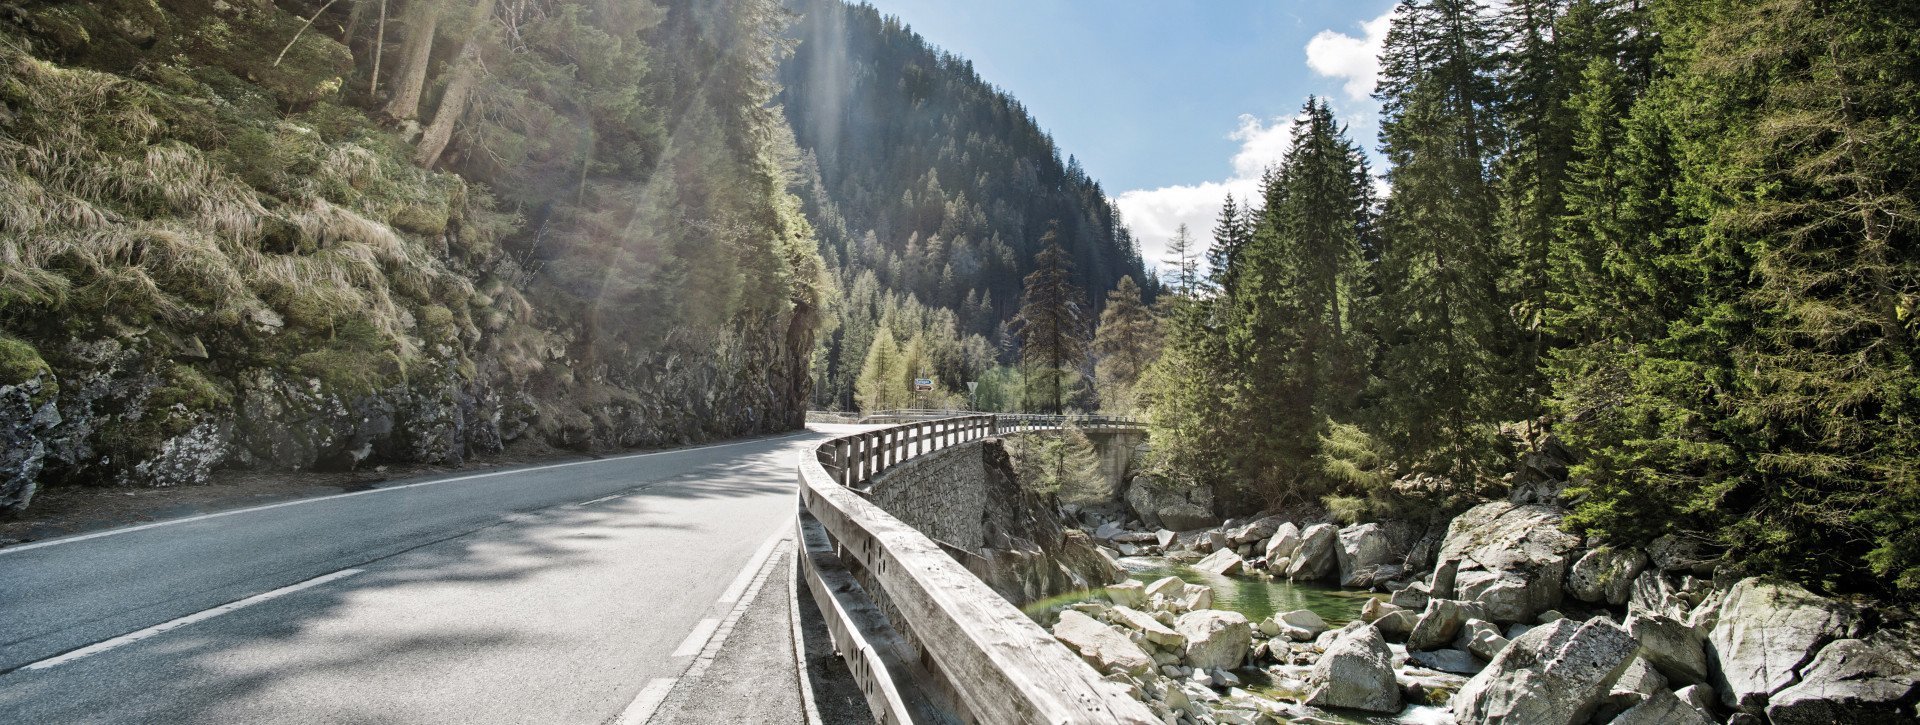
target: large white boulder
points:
(1521, 551)
(1671, 646)
(1105, 648)
(1605, 575)
(1149, 628)
(1555, 674)
(1315, 560)
(1255, 530)
(1441, 621)
(1363, 549)
(1865, 681)
(1284, 541)
(1765, 631)
(1215, 639)
(1221, 561)
(1356, 673)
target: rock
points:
(1521, 547)
(1215, 639)
(1166, 504)
(1556, 674)
(1481, 638)
(1671, 647)
(1661, 708)
(1672, 553)
(1639, 682)
(1182, 516)
(1255, 530)
(1655, 592)
(1413, 597)
(1356, 673)
(1101, 646)
(1700, 697)
(1459, 662)
(1315, 560)
(1605, 575)
(1195, 596)
(1441, 622)
(1374, 609)
(1165, 537)
(1169, 587)
(1396, 625)
(1148, 627)
(1363, 548)
(1222, 561)
(1549, 617)
(1283, 542)
(1129, 593)
(1303, 619)
(29, 414)
(1865, 681)
(1109, 530)
(1767, 630)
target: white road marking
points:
(164, 627)
(598, 500)
(697, 638)
(745, 577)
(641, 709)
(284, 504)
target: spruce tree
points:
(1230, 233)
(1126, 342)
(1052, 325)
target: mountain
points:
(930, 190)
(307, 234)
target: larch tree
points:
(1126, 342)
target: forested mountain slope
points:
(931, 191)
(409, 230)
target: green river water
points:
(1252, 596)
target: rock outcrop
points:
(1315, 560)
(1161, 503)
(1355, 673)
(1511, 559)
(1766, 631)
(1555, 674)
(1871, 681)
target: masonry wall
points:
(942, 494)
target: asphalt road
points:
(568, 593)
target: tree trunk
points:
(420, 20)
(453, 105)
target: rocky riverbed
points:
(1501, 618)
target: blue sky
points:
(1169, 104)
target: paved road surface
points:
(569, 593)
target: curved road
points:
(545, 594)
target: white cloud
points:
(1154, 214)
(1357, 60)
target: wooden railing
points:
(983, 660)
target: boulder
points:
(1356, 673)
(1255, 530)
(1440, 622)
(1655, 592)
(1217, 540)
(1215, 639)
(1766, 630)
(1635, 685)
(1481, 638)
(1303, 619)
(1284, 541)
(1149, 628)
(1700, 697)
(1374, 609)
(1521, 548)
(1413, 596)
(1165, 538)
(1671, 647)
(1315, 560)
(1109, 530)
(1362, 550)
(1605, 575)
(1166, 504)
(1661, 708)
(1397, 624)
(1673, 553)
(1556, 674)
(1195, 596)
(1103, 647)
(1169, 587)
(1221, 561)
(1129, 593)
(1459, 662)
(1184, 516)
(1866, 681)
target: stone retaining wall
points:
(942, 494)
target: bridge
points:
(648, 587)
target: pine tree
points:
(1230, 233)
(881, 382)
(1127, 342)
(1183, 263)
(1052, 325)
(1439, 313)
